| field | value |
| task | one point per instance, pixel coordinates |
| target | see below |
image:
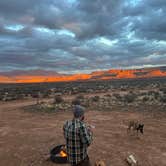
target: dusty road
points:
(26, 137)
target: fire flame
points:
(63, 154)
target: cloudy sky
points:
(71, 36)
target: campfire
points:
(58, 154)
(63, 153)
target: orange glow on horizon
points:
(98, 75)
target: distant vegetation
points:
(98, 95)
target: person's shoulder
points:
(68, 122)
(82, 124)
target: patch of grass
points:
(38, 108)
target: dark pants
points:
(85, 162)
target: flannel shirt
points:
(78, 138)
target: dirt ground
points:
(26, 137)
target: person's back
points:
(78, 138)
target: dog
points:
(135, 126)
(100, 163)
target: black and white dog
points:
(136, 126)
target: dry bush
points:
(58, 100)
(163, 90)
(117, 96)
(145, 99)
(130, 97)
(76, 102)
(163, 99)
(95, 98)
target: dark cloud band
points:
(76, 35)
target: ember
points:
(58, 154)
(63, 154)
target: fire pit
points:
(58, 154)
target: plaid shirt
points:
(78, 138)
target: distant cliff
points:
(51, 76)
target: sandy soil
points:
(26, 137)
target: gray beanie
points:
(78, 111)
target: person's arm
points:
(85, 135)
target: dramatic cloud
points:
(73, 36)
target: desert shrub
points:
(130, 97)
(107, 95)
(9, 98)
(58, 99)
(95, 98)
(118, 96)
(163, 99)
(145, 99)
(86, 103)
(35, 95)
(151, 93)
(1, 97)
(163, 90)
(123, 89)
(46, 93)
(156, 95)
(76, 102)
(39, 108)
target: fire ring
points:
(55, 155)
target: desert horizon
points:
(39, 76)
